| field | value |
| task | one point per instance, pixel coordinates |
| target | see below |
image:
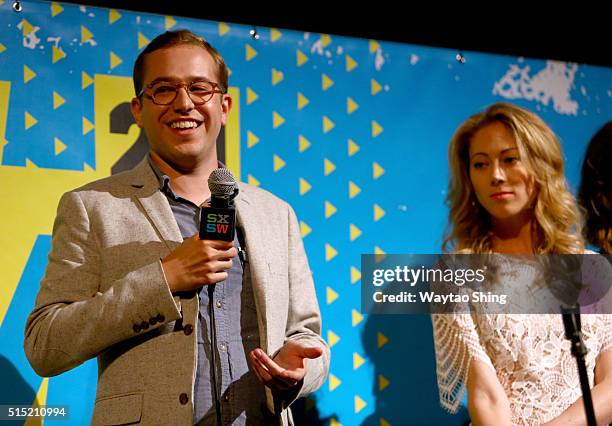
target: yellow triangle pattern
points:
(354, 232)
(353, 190)
(86, 80)
(169, 22)
(383, 422)
(358, 361)
(374, 46)
(2, 48)
(277, 76)
(351, 64)
(223, 28)
(377, 170)
(352, 147)
(56, 9)
(327, 124)
(57, 54)
(29, 120)
(26, 27)
(330, 209)
(303, 143)
(330, 252)
(86, 35)
(381, 340)
(251, 96)
(359, 404)
(351, 105)
(58, 101)
(326, 82)
(87, 168)
(302, 101)
(334, 382)
(334, 422)
(87, 126)
(275, 34)
(28, 74)
(379, 254)
(304, 186)
(355, 275)
(325, 40)
(252, 140)
(279, 163)
(114, 60)
(376, 129)
(305, 229)
(252, 181)
(332, 296)
(59, 146)
(356, 317)
(113, 16)
(277, 119)
(250, 53)
(301, 59)
(328, 167)
(383, 382)
(30, 164)
(378, 212)
(375, 87)
(332, 338)
(142, 40)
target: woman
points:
(595, 193)
(508, 195)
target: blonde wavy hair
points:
(556, 216)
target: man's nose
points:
(183, 101)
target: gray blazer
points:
(104, 281)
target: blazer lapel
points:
(250, 221)
(155, 205)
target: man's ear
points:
(226, 106)
(136, 108)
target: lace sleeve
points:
(456, 343)
(606, 341)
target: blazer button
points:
(160, 318)
(188, 329)
(144, 325)
(183, 398)
(136, 328)
(153, 320)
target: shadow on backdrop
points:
(14, 390)
(400, 348)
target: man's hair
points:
(179, 38)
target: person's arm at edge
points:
(487, 401)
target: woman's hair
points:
(595, 193)
(556, 217)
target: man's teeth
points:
(184, 124)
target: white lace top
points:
(529, 354)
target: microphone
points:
(218, 221)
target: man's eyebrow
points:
(170, 79)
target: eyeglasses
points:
(164, 92)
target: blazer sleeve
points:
(72, 320)
(304, 319)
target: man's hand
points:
(196, 263)
(288, 367)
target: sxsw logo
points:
(217, 223)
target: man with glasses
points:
(128, 276)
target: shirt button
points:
(188, 329)
(219, 304)
(223, 347)
(183, 398)
(226, 397)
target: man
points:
(128, 278)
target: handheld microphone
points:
(218, 221)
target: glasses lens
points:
(201, 91)
(163, 93)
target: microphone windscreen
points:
(221, 183)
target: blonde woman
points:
(508, 195)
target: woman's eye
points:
(478, 165)
(510, 160)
